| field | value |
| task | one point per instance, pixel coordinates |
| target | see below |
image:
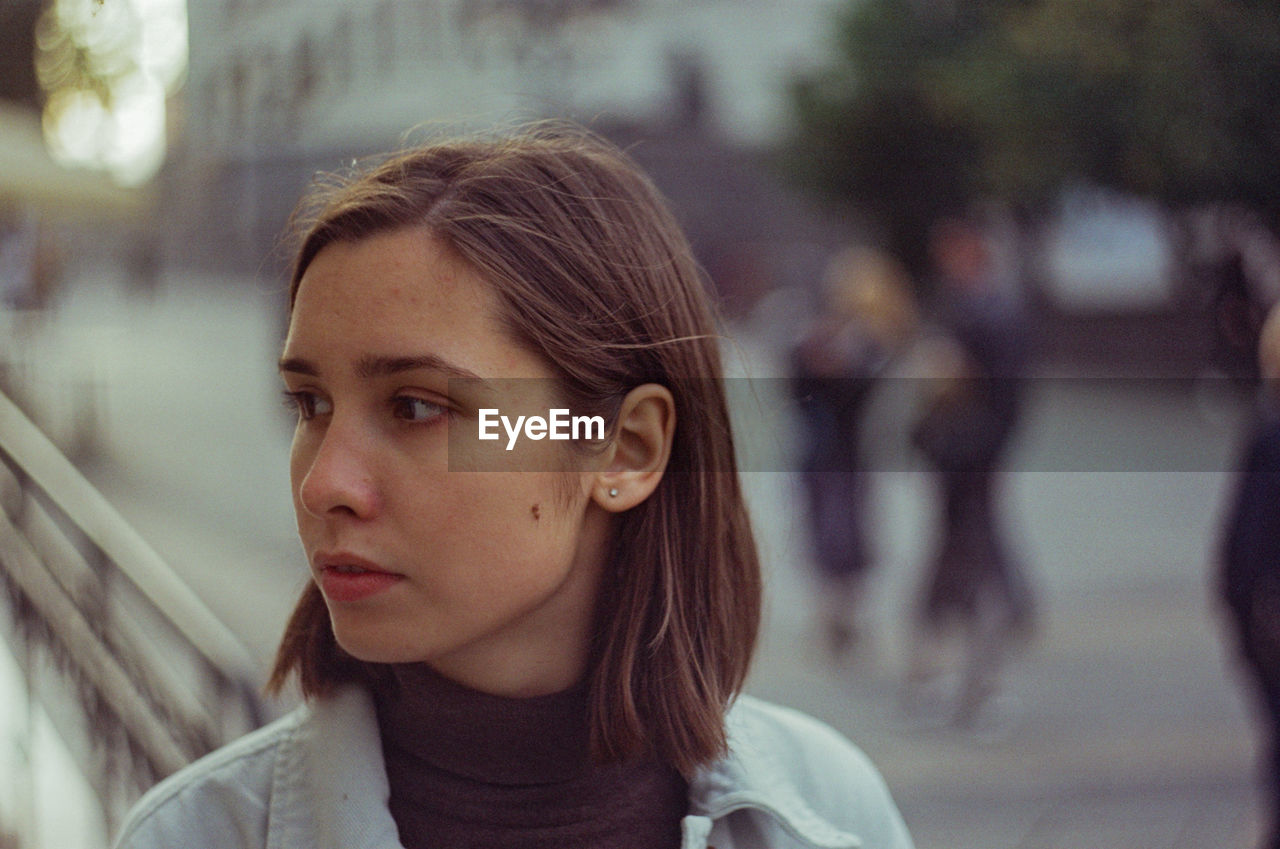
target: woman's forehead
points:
(402, 294)
(399, 269)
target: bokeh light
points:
(107, 68)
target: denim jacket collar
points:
(330, 785)
(751, 776)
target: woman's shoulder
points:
(803, 746)
(805, 775)
(221, 799)
(313, 778)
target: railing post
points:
(156, 680)
(25, 816)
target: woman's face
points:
(488, 576)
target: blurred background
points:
(1114, 161)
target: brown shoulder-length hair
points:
(594, 274)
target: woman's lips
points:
(346, 579)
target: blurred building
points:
(279, 89)
(17, 65)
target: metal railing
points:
(145, 678)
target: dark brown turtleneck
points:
(470, 769)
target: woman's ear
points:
(640, 449)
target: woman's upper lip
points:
(333, 560)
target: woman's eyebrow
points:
(297, 365)
(373, 365)
(377, 365)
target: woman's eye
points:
(412, 409)
(307, 405)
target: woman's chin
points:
(371, 647)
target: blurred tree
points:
(1170, 99)
(880, 130)
(935, 102)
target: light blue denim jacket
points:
(315, 780)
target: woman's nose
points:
(336, 477)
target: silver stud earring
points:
(613, 492)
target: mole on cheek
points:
(536, 512)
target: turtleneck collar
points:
(467, 768)
(480, 736)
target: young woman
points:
(523, 641)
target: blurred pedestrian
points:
(1237, 313)
(974, 589)
(546, 654)
(30, 264)
(1249, 563)
(866, 317)
(1228, 269)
